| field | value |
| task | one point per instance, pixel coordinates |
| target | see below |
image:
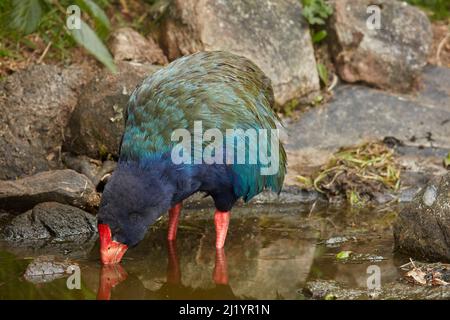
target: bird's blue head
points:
(133, 199)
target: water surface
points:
(271, 252)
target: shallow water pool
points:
(272, 252)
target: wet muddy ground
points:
(272, 252)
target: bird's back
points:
(219, 89)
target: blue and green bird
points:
(221, 91)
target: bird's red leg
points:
(174, 215)
(221, 221)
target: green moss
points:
(290, 107)
(103, 151)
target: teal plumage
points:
(221, 90)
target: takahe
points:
(219, 90)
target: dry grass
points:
(356, 173)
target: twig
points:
(102, 179)
(96, 162)
(405, 265)
(124, 5)
(441, 45)
(412, 262)
(281, 229)
(328, 185)
(333, 83)
(44, 53)
(331, 222)
(312, 209)
(59, 153)
(59, 7)
(85, 186)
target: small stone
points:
(331, 290)
(129, 45)
(46, 269)
(429, 195)
(335, 241)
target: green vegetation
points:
(343, 255)
(33, 31)
(316, 11)
(353, 257)
(447, 161)
(46, 19)
(323, 73)
(319, 36)
(438, 9)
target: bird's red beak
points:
(111, 252)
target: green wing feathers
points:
(221, 90)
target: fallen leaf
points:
(343, 255)
(418, 276)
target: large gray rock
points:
(64, 186)
(35, 105)
(390, 57)
(51, 220)
(97, 124)
(273, 34)
(422, 229)
(127, 44)
(357, 114)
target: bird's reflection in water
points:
(112, 276)
(173, 264)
